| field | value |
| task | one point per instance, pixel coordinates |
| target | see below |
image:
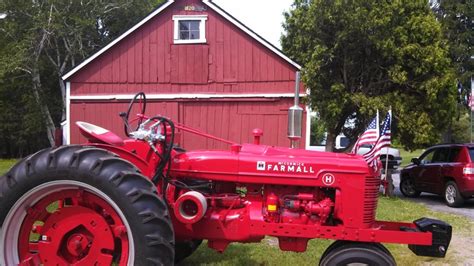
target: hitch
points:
(441, 234)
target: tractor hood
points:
(251, 163)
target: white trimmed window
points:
(189, 28)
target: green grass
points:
(5, 165)
(390, 209)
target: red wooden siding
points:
(147, 60)
(189, 64)
(232, 120)
(106, 115)
(230, 62)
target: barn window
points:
(190, 29)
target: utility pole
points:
(471, 104)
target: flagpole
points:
(378, 124)
(386, 155)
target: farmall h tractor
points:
(145, 201)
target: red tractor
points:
(145, 201)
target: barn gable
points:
(162, 9)
(223, 67)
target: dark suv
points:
(446, 170)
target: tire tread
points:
(135, 194)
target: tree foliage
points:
(457, 19)
(360, 56)
(42, 40)
(460, 129)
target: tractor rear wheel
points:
(356, 253)
(82, 205)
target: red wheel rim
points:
(72, 226)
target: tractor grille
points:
(372, 185)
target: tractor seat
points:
(96, 134)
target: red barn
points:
(199, 66)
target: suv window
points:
(441, 155)
(428, 157)
(453, 154)
(471, 154)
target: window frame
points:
(202, 28)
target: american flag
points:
(382, 142)
(369, 136)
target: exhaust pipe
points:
(295, 116)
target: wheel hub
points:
(72, 232)
(84, 231)
(77, 244)
(450, 194)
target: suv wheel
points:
(452, 196)
(407, 187)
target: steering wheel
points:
(138, 103)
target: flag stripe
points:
(368, 137)
(383, 141)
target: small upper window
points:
(190, 29)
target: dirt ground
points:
(463, 247)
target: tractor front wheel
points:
(356, 253)
(81, 205)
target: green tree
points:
(45, 38)
(457, 19)
(318, 131)
(360, 56)
(460, 129)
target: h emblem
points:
(328, 179)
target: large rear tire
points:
(82, 205)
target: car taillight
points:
(468, 170)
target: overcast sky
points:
(265, 17)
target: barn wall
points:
(147, 60)
(230, 63)
(229, 119)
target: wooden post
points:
(389, 183)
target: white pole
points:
(386, 150)
(386, 154)
(471, 101)
(378, 124)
